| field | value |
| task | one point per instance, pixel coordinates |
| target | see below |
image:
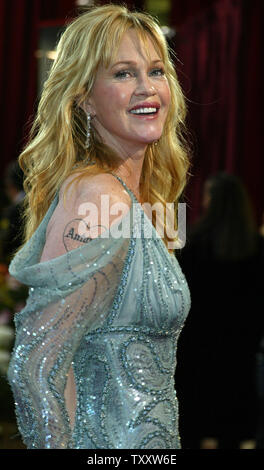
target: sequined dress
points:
(111, 309)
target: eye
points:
(158, 72)
(122, 73)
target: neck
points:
(131, 153)
(130, 172)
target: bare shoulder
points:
(92, 188)
(104, 184)
(91, 207)
(103, 193)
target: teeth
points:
(143, 110)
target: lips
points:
(146, 116)
(146, 104)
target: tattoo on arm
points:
(77, 232)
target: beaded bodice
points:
(113, 311)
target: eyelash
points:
(121, 72)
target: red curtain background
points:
(18, 72)
(221, 71)
(220, 67)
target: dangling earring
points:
(87, 159)
(156, 142)
(88, 131)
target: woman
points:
(94, 357)
(218, 384)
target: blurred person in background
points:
(10, 222)
(12, 293)
(223, 264)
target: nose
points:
(145, 86)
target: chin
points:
(152, 139)
(144, 140)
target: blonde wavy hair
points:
(56, 146)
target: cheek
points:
(111, 96)
(166, 100)
(167, 94)
(121, 97)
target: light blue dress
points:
(112, 309)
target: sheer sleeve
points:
(69, 295)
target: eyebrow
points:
(131, 62)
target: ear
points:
(86, 105)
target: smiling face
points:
(121, 87)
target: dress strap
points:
(130, 192)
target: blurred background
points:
(219, 61)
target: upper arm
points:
(99, 202)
